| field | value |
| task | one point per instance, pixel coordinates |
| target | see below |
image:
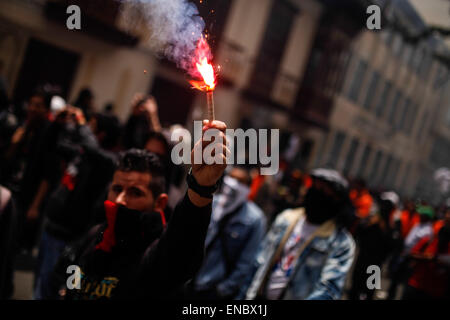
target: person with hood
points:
(307, 252)
(126, 257)
(236, 229)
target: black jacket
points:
(70, 210)
(137, 267)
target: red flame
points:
(204, 67)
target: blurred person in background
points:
(8, 125)
(424, 229)
(262, 191)
(307, 252)
(430, 276)
(89, 160)
(158, 144)
(143, 119)
(374, 239)
(8, 242)
(85, 102)
(287, 195)
(361, 198)
(401, 221)
(406, 219)
(28, 160)
(236, 229)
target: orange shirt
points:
(429, 276)
(437, 226)
(408, 222)
(362, 202)
(257, 183)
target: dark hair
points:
(84, 95)
(246, 169)
(111, 127)
(145, 162)
(159, 137)
(46, 93)
(360, 182)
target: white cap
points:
(390, 196)
(57, 104)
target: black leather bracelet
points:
(203, 191)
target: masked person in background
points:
(236, 229)
(307, 252)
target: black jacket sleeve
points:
(70, 256)
(178, 255)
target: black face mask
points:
(319, 207)
(133, 225)
(127, 227)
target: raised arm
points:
(179, 253)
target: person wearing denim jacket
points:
(236, 229)
(323, 260)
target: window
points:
(394, 106)
(215, 14)
(387, 35)
(272, 48)
(439, 152)
(417, 58)
(407, 54)
(423, 125)
(425, 66)
(404, 114)
(441, 76)
(387, 166)
(404, 180)
(346, 58)
(320, 152)
(336, 149)
(397, 45)
(448, 116)
(364, 159)
(357, 81)
(383, 99)
(368, 101)
(392, 174)
(411, 118)
(351, 156)
(376, 165)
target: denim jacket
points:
(321, 268)
(242, 236)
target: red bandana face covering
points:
(109, 238)
(124, 223)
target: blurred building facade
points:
(368, 103)
(36, 48)
(372, 104)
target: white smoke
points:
(175, 28)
